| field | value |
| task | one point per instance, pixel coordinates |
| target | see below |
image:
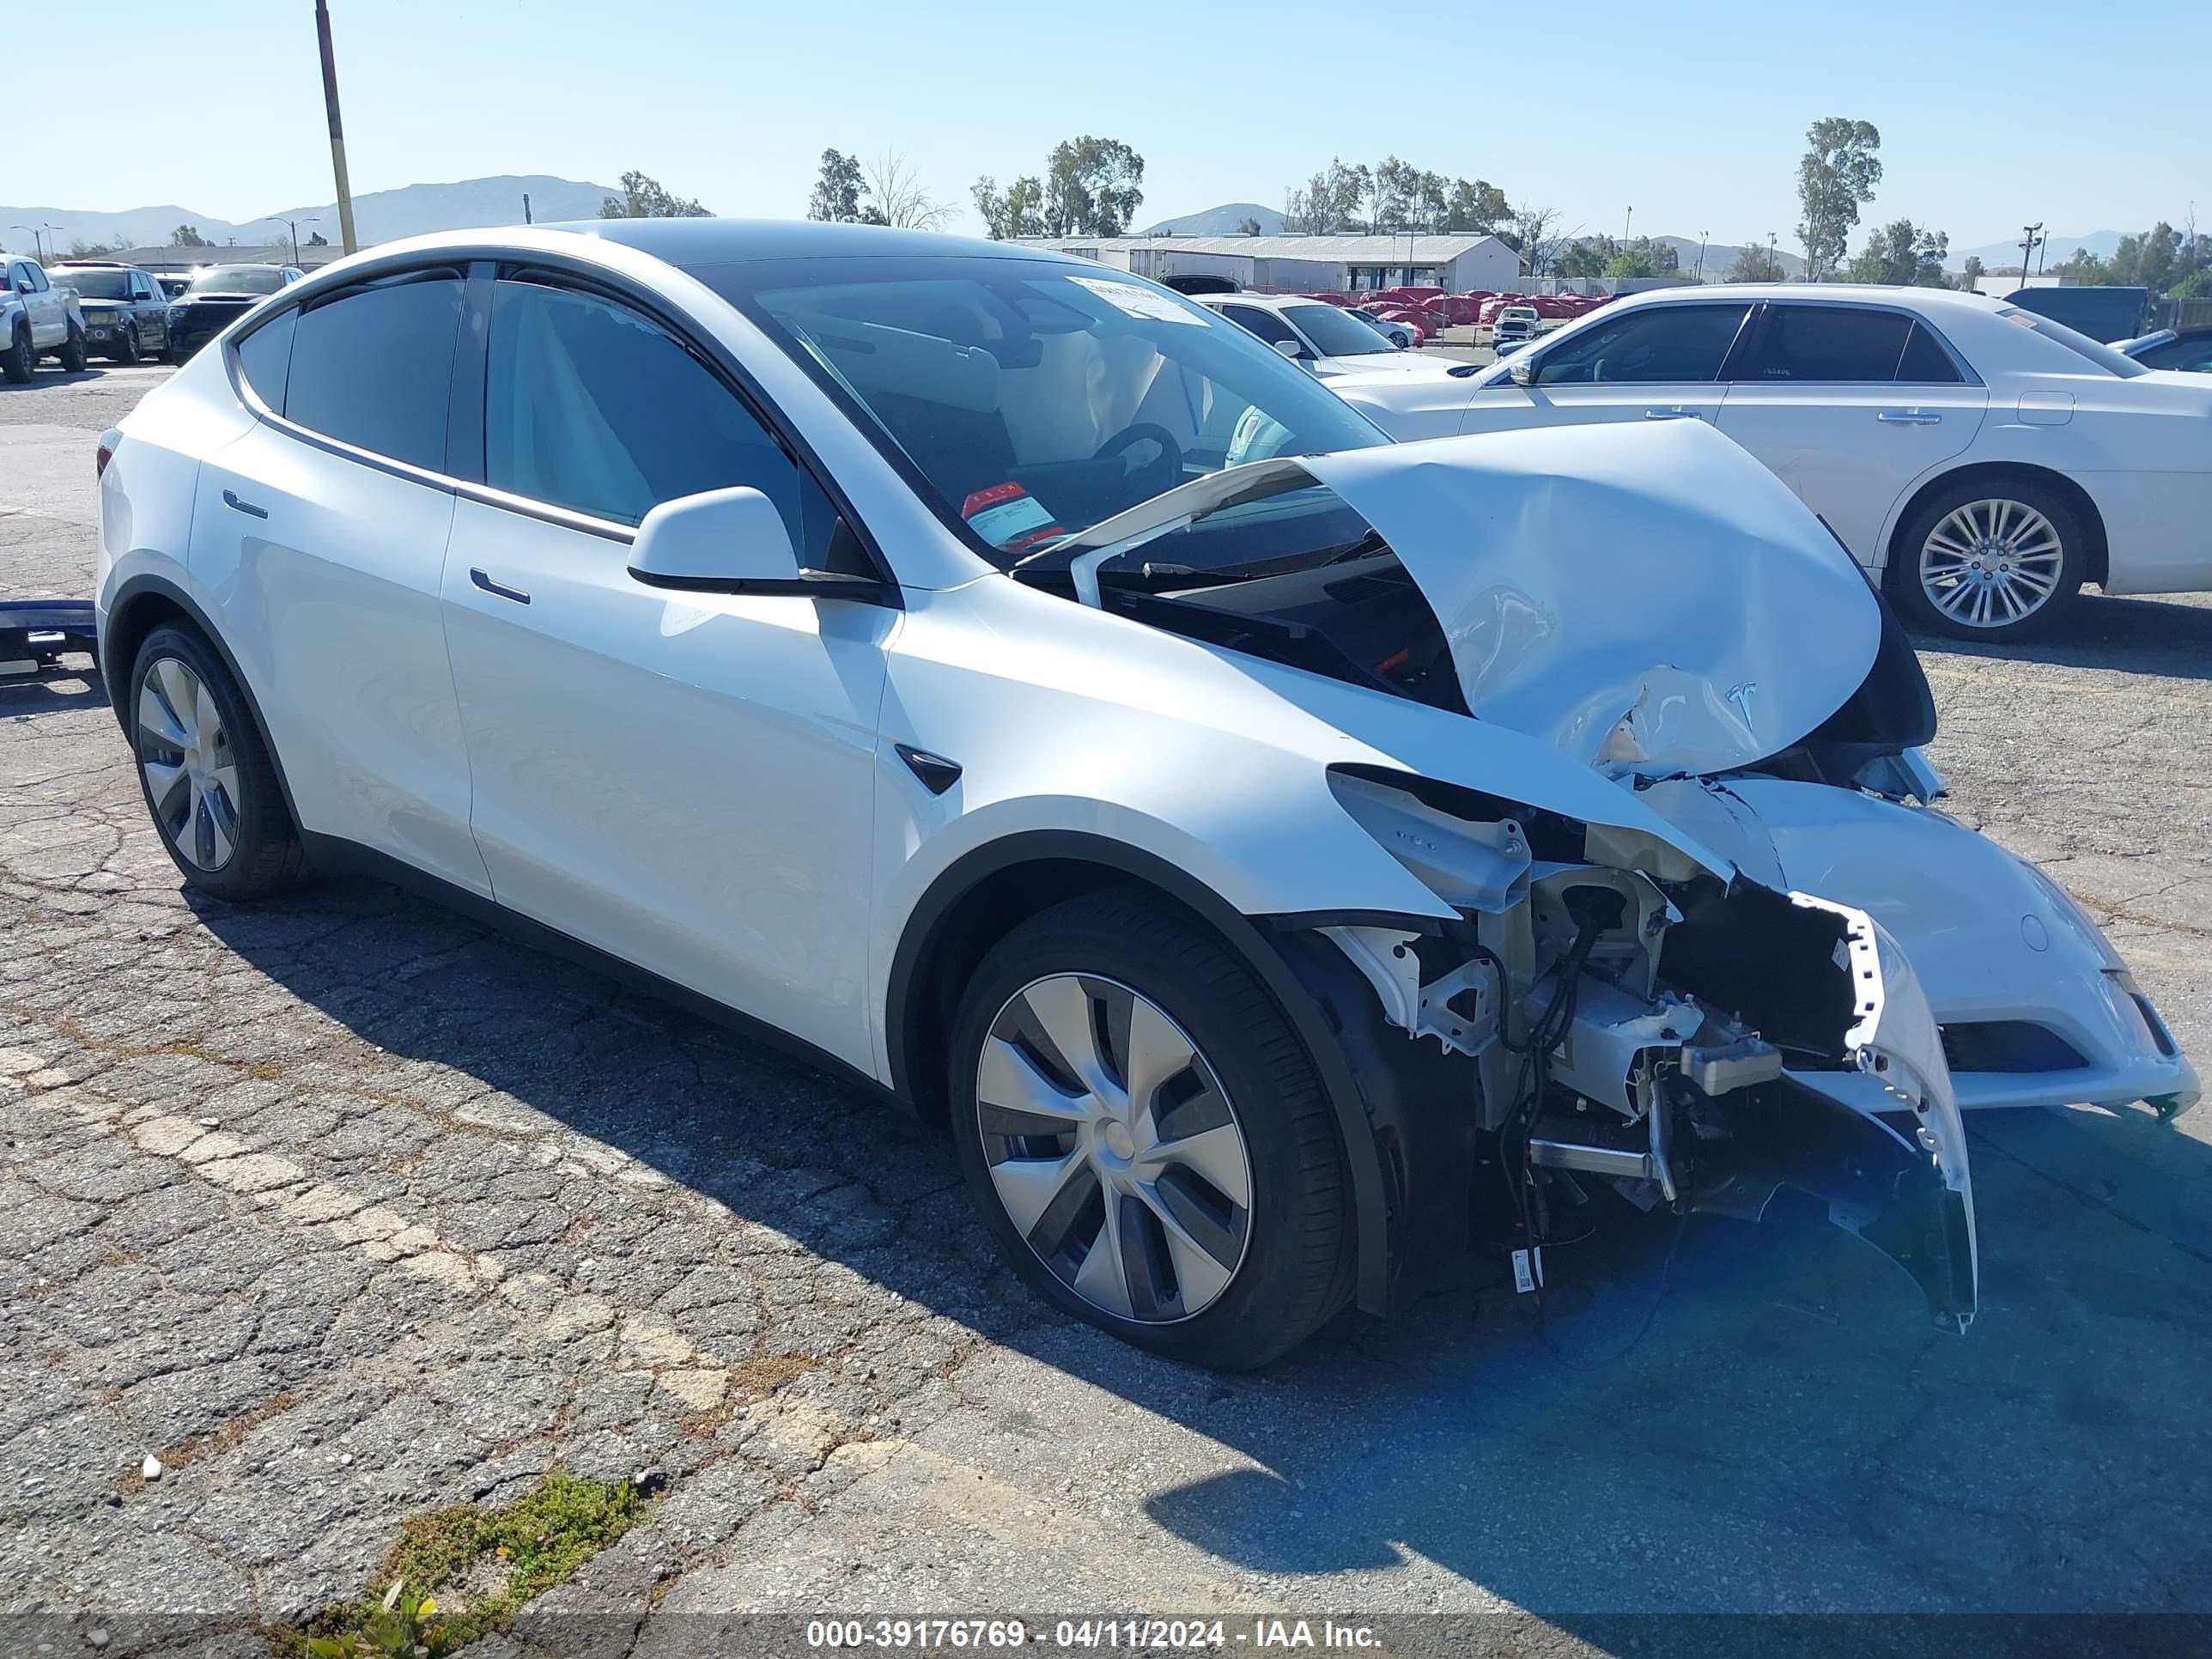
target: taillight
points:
(100, 458)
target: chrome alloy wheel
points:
(1988, 563)
(192, 777)
(1112, 1148)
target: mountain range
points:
(380, 217)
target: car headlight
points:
(176, 313)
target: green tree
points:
(188, 236)
(838, 189)
(1475, 205)
(1018, 210)
(1093, 187)
(1586, 256)
(1248, 225)
(1903, 254)
(2085, 268)
(1755, 263)
(2195, 286)
(644, 198)
(1836, 178)
(1972, 272)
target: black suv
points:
(126, 315)
(216, 297)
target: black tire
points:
(1295, 1270)
(72, 353)
(266, 855)
(128, 354)
(21, 360)
(1909, 588)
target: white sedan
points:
(1988, 460)
(1030, 698)
(1329, 340)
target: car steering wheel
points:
(1163, 474)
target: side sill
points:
(332, 854)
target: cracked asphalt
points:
(345, 1209)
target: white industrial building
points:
(1458, 262)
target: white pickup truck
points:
(38, 319)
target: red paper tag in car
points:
(1008, 516)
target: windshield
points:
(1337, 333)
(94, 285)
(2112, 361)
(238, 279)
(1029, 400)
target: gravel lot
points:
(346, 1210)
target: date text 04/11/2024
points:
(988, 1636)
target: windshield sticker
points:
(1008, 516)
(1134, 301)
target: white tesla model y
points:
(1281, 856)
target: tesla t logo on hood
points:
(1741, 694)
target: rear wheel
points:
(1994, 560)
(20, 360)
(1145, 1136)
(206, 777)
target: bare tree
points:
(1537, 237)
(901, 199)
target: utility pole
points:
(1625, 224)
(337, 131)
(293, 225)
(1702, 237)
(1773, 264)
(526, 207)
(2031, 239)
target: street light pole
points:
(38, 248)
(293, 225)
(54, 247)
(1625, 224)
(2029, 241)
(1702, 236)
(337, 131)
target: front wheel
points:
(128, 354)
(206, 777)
(72, 353)
(1145, 1136)
(1996, 561)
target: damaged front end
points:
(1618, 1013)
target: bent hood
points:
(1648, 599)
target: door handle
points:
(1908, 418)
(498, 590)
(230, 500)
(1677, 413)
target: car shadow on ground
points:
(1780, 1429)
(2169, 638)
(47, 374)
(53, 693)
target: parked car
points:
(1325, 339)
(2101, 312)
(1031, 698)
(217, 297)
(2189, 349)
(1401, 334)
(173, 284)
(37, 320)
(126, 315)
(1514, 327)
(1981, 459)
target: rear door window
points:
(373, 368)
(1253, 320)
(1831, 344)
(1675, 344)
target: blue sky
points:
(1991, 115)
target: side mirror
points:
(1289, 349)
(1521, 369)
(731, 541)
